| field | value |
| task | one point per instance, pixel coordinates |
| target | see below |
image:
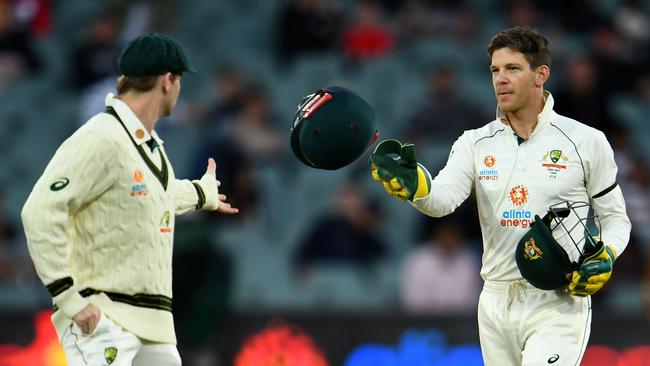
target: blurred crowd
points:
(601, 54)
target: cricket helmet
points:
(542, 260)
(331, 128)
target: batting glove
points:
(394, 165)
(594, 272)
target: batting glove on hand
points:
(594, 272)
(394, 165)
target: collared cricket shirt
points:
(516, 179)
(100, 222)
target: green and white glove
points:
(394, 165)
(594, 272)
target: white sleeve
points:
(605, 195)
(77, 174)
(199, 194)
(187, 195)
(454, 182)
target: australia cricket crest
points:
(531, 251)
(110, 354)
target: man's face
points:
(513, 80)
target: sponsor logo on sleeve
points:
(59, 184)
(517, 216)
(553, 358)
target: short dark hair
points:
(525, 40)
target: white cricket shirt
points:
(563, 160)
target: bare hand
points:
(212, 167)
(87, 318)
(224, 207)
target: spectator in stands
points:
(423, 18)
(579, 16)
(8, 265)
(633, 22)
(143, 16)
(617, 61)
(367, 37)
(443, 113)
(581, 95)
(347, 234)
(228, 87)
(244, 142)
(93, 60)
(440, 276)
(521, 12)
(17, 56)
(33, 16)
(307, 26)
(93, 71)
(254, 128)
(635, 186)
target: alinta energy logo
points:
(140, 187)
(517, 217)
(489, 174)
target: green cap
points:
(541, 259)
(332, 128)
(152, 54)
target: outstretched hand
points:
(225, 207)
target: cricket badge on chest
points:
(166, 223)
(139, 187)
(488, 170)
(555, 162)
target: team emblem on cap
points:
(531, 251)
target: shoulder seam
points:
(489, 136)
(582, 164)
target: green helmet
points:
(542, 261)
(331, 128)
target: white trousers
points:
(111, 345)
(520, 325)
